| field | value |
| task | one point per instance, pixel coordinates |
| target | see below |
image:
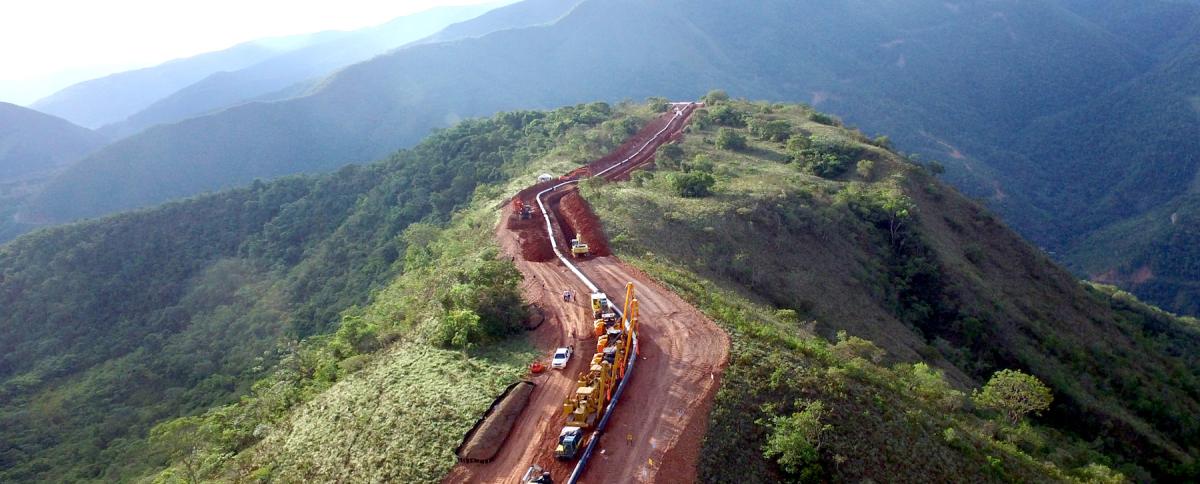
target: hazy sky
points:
(47, 44)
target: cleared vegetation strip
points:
(587, 453)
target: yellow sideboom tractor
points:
(594, 387)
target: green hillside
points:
(350, 326)
(113, 325)
(880, 249)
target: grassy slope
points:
(393, 409)
(966, 294)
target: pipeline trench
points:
(654, 433)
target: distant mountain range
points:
(32, 142)
(1071, 117)
(112, 98)
(278, 76)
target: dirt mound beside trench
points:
(484, 441)
(576, 212)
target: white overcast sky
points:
(46, 43)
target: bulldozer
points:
(579, 248)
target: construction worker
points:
(545, 479)
(567, 295)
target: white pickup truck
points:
(561, 357)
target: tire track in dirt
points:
(655, 432)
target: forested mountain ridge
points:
(965, 82)
(113, 325)
(35, 143)
(33, 147)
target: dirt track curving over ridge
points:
(655, 431)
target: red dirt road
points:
(656, 429)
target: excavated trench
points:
(665, 411)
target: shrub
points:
(693, 184)
(795, 440)
(825, 156)
(1014, 394)
(823, 165)
(726, 115)
(658, 104)
(701, 119)
(779, 130)
(728, 139)
(796, 144)
(460, 329)
(823, 118)
(669, 156)
(715, 96)
(864, 168)
(640, 178)
(703, 164)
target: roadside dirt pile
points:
(574, 211)
(484, 441)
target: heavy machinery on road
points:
(524, 211)
(593, 390)
(570, 440)
(536, 475)
(579, 248)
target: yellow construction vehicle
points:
(579, 248)
(594, 387)
(583, 407)
(602, 308)
(570, 441)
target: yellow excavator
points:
(579, 248)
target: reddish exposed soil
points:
(576, 215)
(655, 431)
(570, 218)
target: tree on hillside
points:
(669, 156)
(779, 130)
(898, 208)
(1014, 394)
(184, 439)
(795, 440)
(693, 184)
(658, 104)
(726, 115)
(715, 96)
(728, 139)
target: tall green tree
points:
(1014, 394)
